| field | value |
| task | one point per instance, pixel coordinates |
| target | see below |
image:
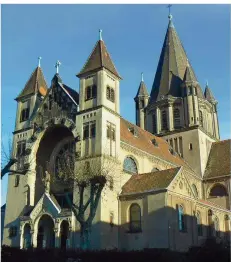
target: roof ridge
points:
(158, 171)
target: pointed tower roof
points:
(99, 58)
(142, 90)
(208, 94)
(171, 67)
(36, 83)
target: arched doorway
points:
(48, 144)
(27, 236)
(64, 233)
(46, 234)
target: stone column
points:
(170, 117)
(157, 113)
(57, 233)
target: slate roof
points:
(143, 141)
(218, 164)
(36, 83)
(208, 94)
(150, 181)
(142, 91)
(171, 67)
(3, 208)
(99, 58)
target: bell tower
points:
(99, 104)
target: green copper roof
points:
(36, 83)
(98, 59)
(171, 67)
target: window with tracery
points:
(90, 92)
(130, 165)
(65, 159)
(110, 94)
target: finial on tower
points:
(39, 61)
(169, 13)
(207, 83)
(187, 63)
(57, 65)
(100, 34)
(142, 77)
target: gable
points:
(60, 100)
(181, 185)
(48, 204)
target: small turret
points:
(30, 97)
(209, 95)
(141, 100)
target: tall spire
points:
(171, 67)
(35, 84)
(98, 59)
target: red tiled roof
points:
(145, 182)
(143, 141)
(219, 160)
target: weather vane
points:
(57, 65)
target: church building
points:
(171, 186)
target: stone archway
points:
(52, 138)
(45, 233)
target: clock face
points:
(42, 90)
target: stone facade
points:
(166, 191)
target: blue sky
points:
(133, 34)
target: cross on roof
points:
(57, 65)
(100, 34)
(39, 60)
(169, 8)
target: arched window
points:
(176, 115)
(181, 219)
(135, 218)
(164, 120)
(201, 118)
(130, 165)
(194, 188)
(110, 94)
(90, 92)
(28, 195)
(218, 191)
(216, 227)
(199, 225)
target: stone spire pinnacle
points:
(208, 93)
(142, 77)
